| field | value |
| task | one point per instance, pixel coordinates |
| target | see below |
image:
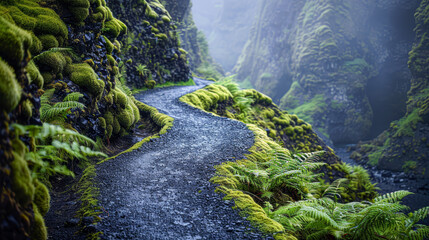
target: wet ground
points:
(162, 190)
(389, 181)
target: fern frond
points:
(59, 109)
(318, 215)
(418, 215)
(68, 105)
(44, 99)
(419, 234)
(73, 97)
(392, 197)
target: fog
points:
(226, 24)
(381, 32)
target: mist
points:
(226, 24)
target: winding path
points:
(161, 191)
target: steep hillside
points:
(341, 65)
(404, 146)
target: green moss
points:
(36, 46)
(109, 45)
(161, 36)
(10, 90)
(16, 40)
(78, 8)
(307, 110)
(120, 98)
(84, 76)
(27, 109)
(102, 122)
(254, 212)
(53, 62)
(150, 84)
(129, 115)
(20, 175)
(111, 60)
(38, 228)
(48, 41)
(21, 19)
(114, 28)
(409, 166)
(41, 197)
(281, 121)
(207, 98)
(375, 157)
(165, 19)
(51, 25)
(34, 75)
(149, 12)
(116, 126)
(407, 125)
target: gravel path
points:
(161, 191)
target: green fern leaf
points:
(73, 97)
(392, 197)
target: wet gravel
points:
(162, 190)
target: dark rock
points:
(71, 222)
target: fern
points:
(59, 110)
(73, 97)
(56, 147)
(393, 197)
(143, 70)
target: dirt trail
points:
(161, 191)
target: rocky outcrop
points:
(404, 146)
(195, 43)
(331, 62)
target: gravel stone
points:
(163, 191)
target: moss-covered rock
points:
(38, 230)
(10, 91)
(22, 182)
(41, 197)
(17, 40)
(84, 76)
(34, 75)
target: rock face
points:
(227, 24)
(340, 65)
(152, 42)
(194, 41)
(404, 146)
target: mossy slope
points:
(24, 199)
(275, 131)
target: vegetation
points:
(285, 194)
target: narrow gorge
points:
(181, 119)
